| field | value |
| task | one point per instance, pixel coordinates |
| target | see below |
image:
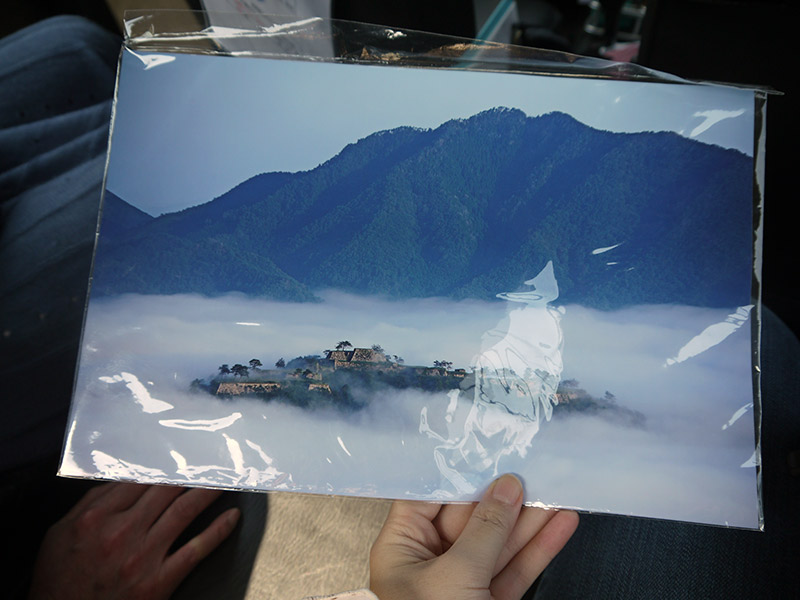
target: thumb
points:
(478, 548)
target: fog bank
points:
(685, 463)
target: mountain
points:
(120, 217)
(469, 209)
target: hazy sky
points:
(188, 128)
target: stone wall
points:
(237, 389)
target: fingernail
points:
(507, 489)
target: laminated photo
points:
(400, 282)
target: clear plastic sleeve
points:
(339, 258)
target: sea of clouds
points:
(134, 416)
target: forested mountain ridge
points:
(469, 209)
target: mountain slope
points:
(469, 209)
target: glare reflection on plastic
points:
(516, 377)
(711, 335)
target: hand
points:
(114, 543)
(492, 550)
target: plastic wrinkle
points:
(712, 117)
(140, 394)
(341, 443)
(606, 249)
(738, 415)
(68, 462)
(240, 475)
(711, 336)
(202, 424)
(193, 473)
(516, 378)
(753, 461)
(130, 23)
(153, 60)
(116, 468)
(220, 33)
(361, 43)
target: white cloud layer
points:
(686, 463)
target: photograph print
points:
(400, 282)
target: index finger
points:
(487, 532)
(179, 514)
(184, 560)
(530, 522)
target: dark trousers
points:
(56, 85)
